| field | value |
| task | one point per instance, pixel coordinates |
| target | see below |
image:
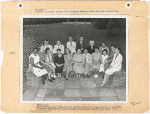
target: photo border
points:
(70, 16)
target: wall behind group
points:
(59, 31)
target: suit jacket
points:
(117, 62)
(80, 46)
(90, 50)
(101, 49)
(72, 47)
(60, 47)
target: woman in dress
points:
(96, 59)
(59, 62)
(36, 67)
(102, 65)
(68, 62)
(42, 56)
(78, 61)
(49, 61)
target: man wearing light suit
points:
(71, 45)
(58, 46)
(46, 45)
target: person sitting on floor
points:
(36, 67)
(102, 65)
(115, 66)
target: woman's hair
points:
(91, 42)
(46, 50)
(35, 48)
(105, 50)
(58, 49)
(96, 48)
(119, 49)
(78, 49)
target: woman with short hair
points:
(35, 65)
(59, 62)
(78, 61)
(68, 62)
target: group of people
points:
(76, 57)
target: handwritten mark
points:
(136, 103)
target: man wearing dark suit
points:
(81, 44)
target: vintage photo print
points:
(74, 58)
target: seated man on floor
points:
(35, 67)
(115, 66)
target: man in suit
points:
(58, 46)
(104, 47)
(71, 45)
(46, 45)
(81, 44)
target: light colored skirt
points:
(87, 68)
(101, 68)
(78, 68)
(38, 72)
(96, 66)
(110, 71)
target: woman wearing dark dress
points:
(59, 62)
(91, 47)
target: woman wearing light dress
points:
(104, 56)
(78, 61)
(96, 59)
(36, 67)
(49, 61)
(68, 62)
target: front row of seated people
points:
(42, 63)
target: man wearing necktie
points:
(71, 45)
(58, 46)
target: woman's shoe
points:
(53, 78)
(50, 80)
(66, 78)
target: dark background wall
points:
(111, 31)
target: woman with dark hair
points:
(91, 47)
(49, 61)
(78, 61)
(104, 56)
(115, 66)
(36, 67)
(59, 62)
(96, 59)
(68, 62)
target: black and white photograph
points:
(76, 58)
